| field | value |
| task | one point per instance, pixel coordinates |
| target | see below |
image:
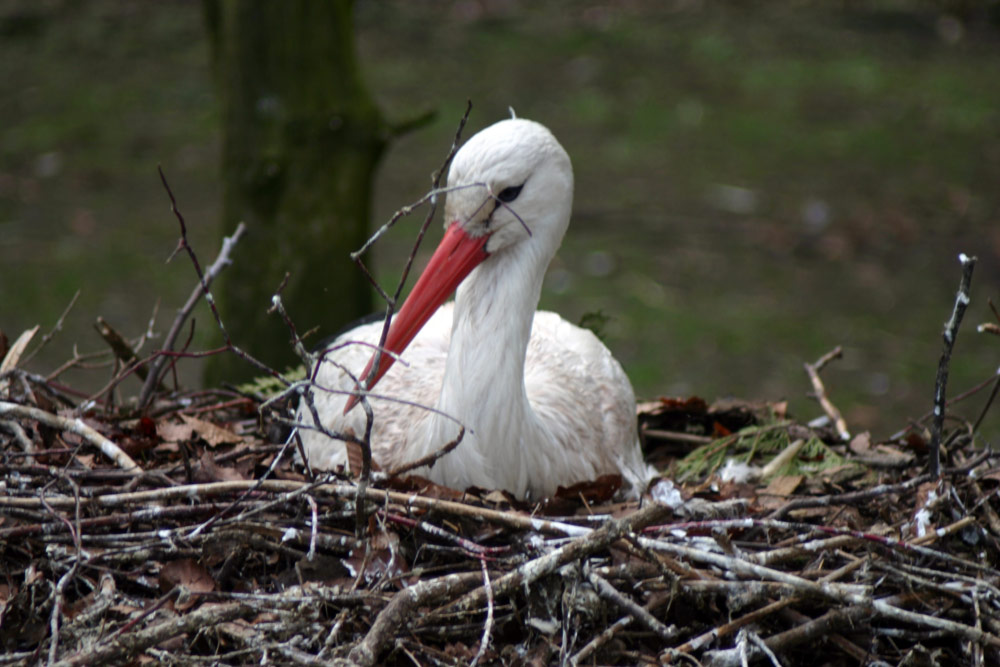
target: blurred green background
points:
(756, 182)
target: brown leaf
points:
(355, 458)
(125, 609)
(599, 490)
(86, 460)
(384, 558)
(173, 432)
(719, 430)
(189, 574)
(208, 470)
(917, 443)
(496, 497)
(241, 629)
(167, 448)
(783, 485)
(210, 433)
(861, 443)
(423, 486)
(693, 404)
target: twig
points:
(432, 197)
(58, 599)
(20, 436)
(825, 626)
(398, 613)
(727, 629)
(829, 408)
(202, 288)
(277, 305)
(873, 492)
(914, 546)
(989, 402)
(575, 550)
(600, 640)
(466, 544)
(55, 329)
(511, 519)
(362, 384)
(752, 617)
(484, 641)
(941, 382)
(116, 649)
(13, 355)
(120, 347)
(108, 448)
(971, 391)
(606, 590)
(431, 458)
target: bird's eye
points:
(507, 195)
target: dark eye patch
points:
(507, 195)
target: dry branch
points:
(829, 408)
(941, 381)
(201, 289)
(108, 448)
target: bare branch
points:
(941, 382)
(204, 283)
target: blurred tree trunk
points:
(301, 140)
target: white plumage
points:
(544, 402)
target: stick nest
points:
(202, 543)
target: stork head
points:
(511, 182)
(510, 189)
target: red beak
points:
(455, 257)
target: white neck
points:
(483, 383)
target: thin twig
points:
(108, 448)
(399, 613)
(484, 641)
(606, 590)
(55, 329)
(829, 408)
(202, 288)
(941, 382)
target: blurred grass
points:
(754, 185)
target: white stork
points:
(543, 401)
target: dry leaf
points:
(171, 432)
(861, 443)
(210, 433)
(383, 559)
(599, 490)
(190, 575)
(355, 458)
(208, 470)
(423, 486)
(495, 497)
(16, 350)
(783, 485)
(86, 460)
